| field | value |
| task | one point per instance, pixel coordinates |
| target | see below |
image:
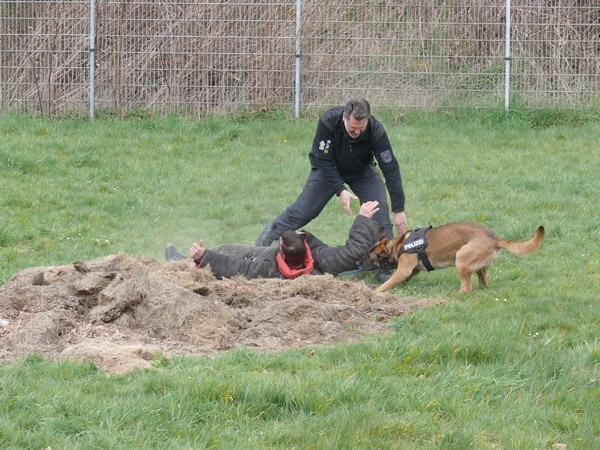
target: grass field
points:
(514, 366)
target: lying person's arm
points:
(362, 236)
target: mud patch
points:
(120, 312)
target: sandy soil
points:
(120, 312)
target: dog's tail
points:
(523, 248)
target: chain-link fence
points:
(199, 57)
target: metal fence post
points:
(507, 60)
(92, 54)
(298, 4)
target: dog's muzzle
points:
(370, 262)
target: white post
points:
(298, 4)
(92, 55)
(507, 60)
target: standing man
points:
(348, 143)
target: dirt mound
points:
(120, 312)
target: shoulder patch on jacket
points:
(324, 146)
(386, 156)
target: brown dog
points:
(468, 246)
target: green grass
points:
(514, 366)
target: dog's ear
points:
(390, 246)
(382, 234)
(394, 246)
(381, 248)
(402, 239)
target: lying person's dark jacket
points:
(226, 261)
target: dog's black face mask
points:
(374, 261)
(382, 262)
(366, 264)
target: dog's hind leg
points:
(465, 274)
(482, 277)
(476, 256)
(464, 260)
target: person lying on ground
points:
(295, 254)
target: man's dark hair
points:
(359, 108)
(293, 248)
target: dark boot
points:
(383, 274)
(172, 254)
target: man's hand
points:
(345, 197)
(369, 209)
(197, 250)
(400, 222)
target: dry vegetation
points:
(122, 312)
(216, 56)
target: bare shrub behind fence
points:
(215, 56)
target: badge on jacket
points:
(324, 146)
(386, 156)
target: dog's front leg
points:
(406, 264)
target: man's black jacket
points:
(337, 154)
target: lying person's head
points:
(291, 246)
